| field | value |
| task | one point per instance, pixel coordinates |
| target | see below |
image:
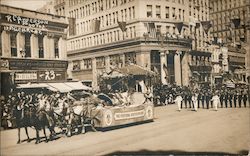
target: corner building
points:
(94, 47)
(32, 47)
(236, 37)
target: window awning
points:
(32, 85)
(61, 87)
(77, 86)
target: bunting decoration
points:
(236, 22)
(72, 26)
(206, 26)
(151, 29)
(179, 26)
(96, 26)
(122, 26)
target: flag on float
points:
(206, 26)
(122, 26)
(151, 29)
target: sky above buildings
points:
(26, 4)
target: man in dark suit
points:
(240, 99)
(221, 99)
(230, 98)
(235, 99)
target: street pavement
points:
(226, 131)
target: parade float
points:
(126, 97)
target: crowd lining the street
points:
(184, 97)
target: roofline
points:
(3, 5)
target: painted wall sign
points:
(25, 64)
(24, 24)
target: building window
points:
(149, 10)
(76, 65)
(87, 63)
(173, 13)
(56, 40)
(27, 45)
(13, 44)
(40, 46)
(167, 12)
(158, 11)
(116, 60)
(100, 62)
(130, 58)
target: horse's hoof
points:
(28, 140)
(36, 142)
(18, 142)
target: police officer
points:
(230, 98)
(202, 99)
(235, 99)
(226, 98)
(245, 99)
(221, 99)
(240, 99)
(207, 98)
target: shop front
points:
(15, 71)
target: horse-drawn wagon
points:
(128, 97)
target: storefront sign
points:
(25, 64)
(51, 75)
(25, 76)
(40, 76)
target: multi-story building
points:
(32, 47)
(152, 34)
(229, 18)
(47, 8)
(59, 7)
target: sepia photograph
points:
(124, 77)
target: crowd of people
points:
(204, 97)
(19, 100)
(184, 97)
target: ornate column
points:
(46, 47)
(52, 47)
(34, 46)
(62, 48)
(6, 48)
(177, 67)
